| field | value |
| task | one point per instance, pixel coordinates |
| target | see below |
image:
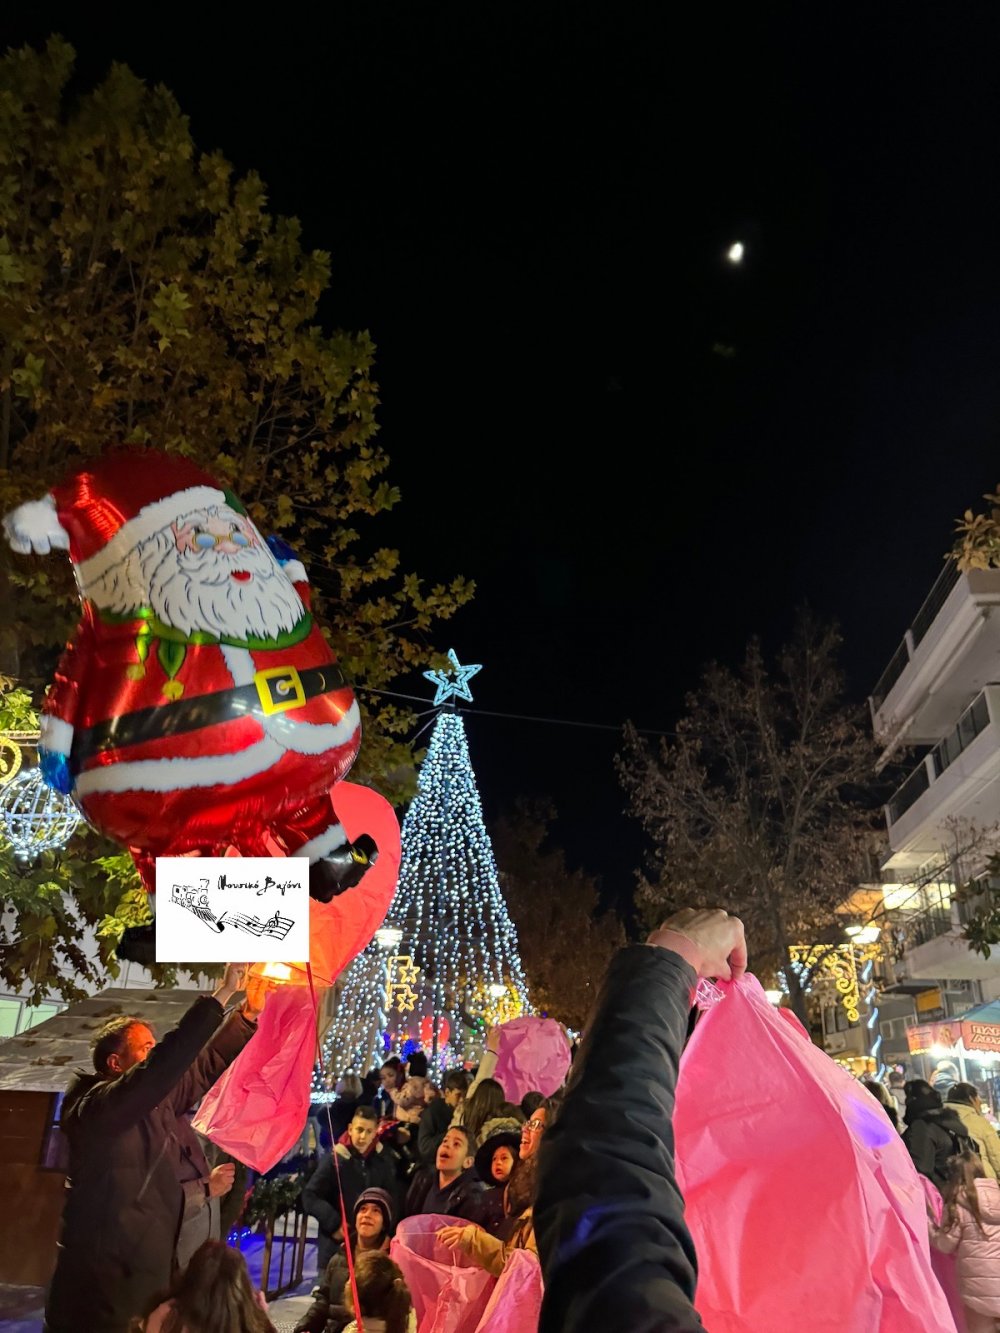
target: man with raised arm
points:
(131, 1149)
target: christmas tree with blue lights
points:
(445, 965)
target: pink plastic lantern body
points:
(801, 1198)
(516, 1302)
(257, 1109)
(450, 1292)
(534, 1056)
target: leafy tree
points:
(565, 942)
(147, 295)
(762, 802)
(977, 537)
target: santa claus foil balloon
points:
(198, 708)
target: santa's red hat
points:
(103, 510)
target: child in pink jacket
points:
(970, 1229)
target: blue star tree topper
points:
(453, 683)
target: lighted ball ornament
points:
(198, 708)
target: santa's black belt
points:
(274, 690)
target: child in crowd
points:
(384, 1298)
(213, 1294)
(970, 1229)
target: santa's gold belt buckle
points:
(279, 689)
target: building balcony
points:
(958, 779)
(948, 955)
(948, 654)
(930, 948)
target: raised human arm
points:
(608, 1216)
(128, 1098)
(239, 1026)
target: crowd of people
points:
(410, 1148)
(583, 1179)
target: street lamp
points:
(775, 996)
(863, 934)
(388, 937)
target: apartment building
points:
(938, 701)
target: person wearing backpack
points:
(964, 1100)
(934, 1133)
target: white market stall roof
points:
(46, 1057)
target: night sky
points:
(642, 454)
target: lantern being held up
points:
(198, 708)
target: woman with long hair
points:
(882, 1097)
(965, 1101)
(484, 1104)
(212, 1295)
(384, 1298)
(970, 1229)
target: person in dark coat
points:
(494, 1163)
(374, 1223)
(350, 1094)
(438, 1116)
(608, 1216)
(934, 1132)
(361, 1164)
(130, 1145)
(450, 1186)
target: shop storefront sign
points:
(973, 1036)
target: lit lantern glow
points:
(279, 971)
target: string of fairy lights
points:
(448, 921)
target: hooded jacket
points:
(977, 1252)
(979, 1128)
(128, 1139)
(933, 1135)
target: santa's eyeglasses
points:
(208, 541)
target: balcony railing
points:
(911, 790)
(897, 665)
(975, 719)
(934, 601)
(972, 723)
(928, 926)
(922, 622)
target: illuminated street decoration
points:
(35, 818)
(850, 968)
(12, 752)
(453, 682)
(401, 978)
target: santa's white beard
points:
(195, 590)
